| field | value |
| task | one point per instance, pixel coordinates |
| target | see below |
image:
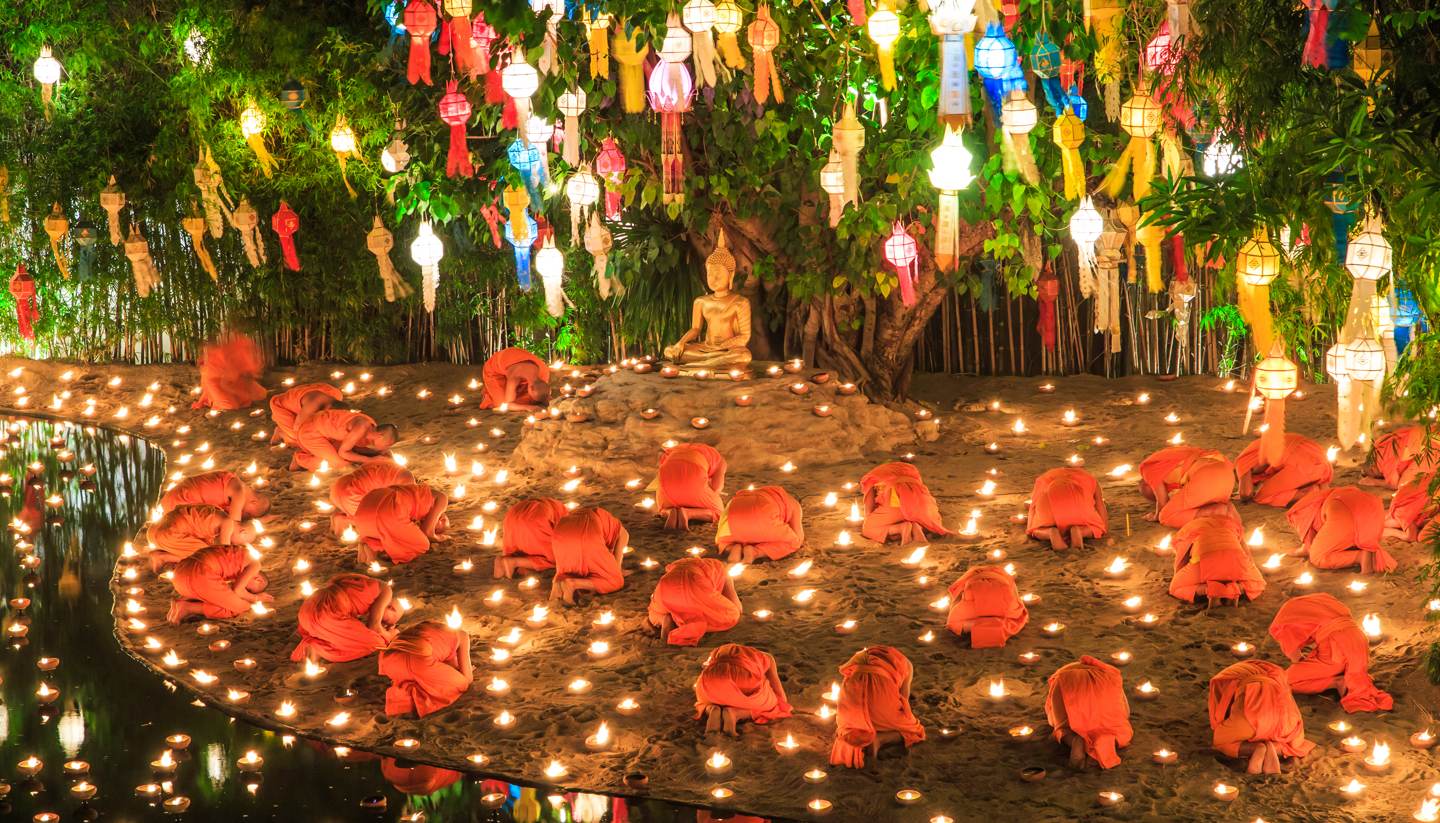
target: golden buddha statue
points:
(724, 318)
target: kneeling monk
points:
(230, 370)
(1212, 560)
(290, 409)
(223, 490)
(589, 550)
(1181, 479)
(1400, 455)
(695, 596)
(429, 668)
(1087, 709)
(347, 492)
(516, 379)
(1414, 512)
(527, 536)
(761, 524)
(1338, 656)
(1303, 467)
(688, 485)
(401, 521)
(217, 583)
(985, 604)
(874, 706)
(340, 438)
(1253, 714)
(898, 504)
(1340, 528)
(1066, 507)
(185, 530)
(739, 683)
(350, 617)
(417, 778)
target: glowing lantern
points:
(247, 221)
(47, 74)
(610, 165)
(526, 159)
(1068, 134)
(142, 265)
(194, 225)
(1369, 54)
(1018, 118)
(1276, 378)
(420, 22)
(520, 81)
(764, 36)
(1140, 118)
(395, 156)
(949, 173)
(572, 105)
(1221, 159)
(550, 262)
(675, 47)
(901, 252)
(1258, 261)
(521, 239)
(285, 222)
(848, 138)
(670, 93)
(57, 225)
(538, 133)
(950, 21)
(728, 21)
(426, 250)
(458, 31)
(583, 191)
(1364, 358)
(112, 200)
(599, 241)
(1368, 256)
(884, 29)
(252, 126)
(455, 112)
(343, 143)
(998, 64)
(597, 35)
(1257, 264)
(379, 241)
(699, 18)
(1086, 226)
(631, 56)
(832, 181)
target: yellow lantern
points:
(1256, 266)
(1259, 261)
(1068, 134)
(252, 127)
(597, 32)
(728, 21)
(1140, 118)
(1276, 378)
(344, 144)
(884, 29)
(832, 181)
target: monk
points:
(1303, 468)
(515, 379)
(1212, 560)
(874, 707)
(230, 370)
(221, 489)
(1086, 707)
(695, 596)
(589, 549)
(898, 505)
(340, 438)
(350, 617)
(347, 492)
(739, 683)
(401, 521)
(527, 534)
(1414, 512)
(1329, 651)
(217, 583)
(290, 409)
(1340, 528)
(985, 605)
(761, 524)
(429, 668)
(184, 530)
(417, 778)
(1181, 479)
(1066, 507)
(689, 483)
(1398, 456)
(1253, 715)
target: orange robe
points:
(1339, 657)
(418, 778)
(1166, 466)
(691, 477)
(230, 370)
(692, 594)
(871, 702)
(208, 489)
(1067, 497)
(1304, 466)
(285, 406)
(185, 530)
(1087, 697)
(332, 622)
(529, 530)
(1413, 509)
(984, 603)
(585, 542)
(736, 677)
(389, 518)
(1336, 525)
(767, 519)
(495, 377)
(1400, 455)
(896, 496)
(318, 439)
(209, 575)
(1212, 560)
(1251, 702)
(347, 491)
(1207, 479)
(423, 664)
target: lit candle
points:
(789, 745)
(1352, 744)
(1029, 658)
(504, 720)
(1378, 760)
(600, 740)
(1422, 739)
(847, 627)
(1429, 811)
(251, 762)
(31, 766)
(1370, 624)
(556, 770)
(1164, 757)
(908, 797)
(1121, 658)
(1069, 418)
(1339, 727)
(1242, 649)
(1021, 732)
(598, 649)
(815, 776)
(1053, 629)
(1146, 691)
(1110, 798)
(996, 690)
(819, 806)
(628, 706)
(717, 763)
(1353, 789)
(1119, 567)
(1225, 792)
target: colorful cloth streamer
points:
(522, 248)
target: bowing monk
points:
(417, 778)
(1066, 507)
(223, 490)
(1341, 528)
(1181, 479)
(694, 596)
(874, 707)
(401, 521)
(429, 668)
(339, 438)
(1253, 715)
(230, 370)
(1212, 560)
(1087, 709)
(589, 548)
(1303, 467)
(985, 605)
(1414, 512)
(1329, 651)
(290, 409)
(217, 583)
(350, 617)
(1400, 455)
(515, 379)
(898, 505)
(763, 523)
(526, 536)
(347, 492)
(184, 530)
(739, 683)
(688, 485)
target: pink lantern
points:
(901, 252)
(670, 93)
(455, 111)
(482, 34)
(610, 165)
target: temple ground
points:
(969, 775)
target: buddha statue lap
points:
(720, 322)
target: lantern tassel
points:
(632, 71)
(1151, 237)
(702, 51)
(907, 284)
(598, 36)
(245, 220)
(571, 151)
(194, 225)
(954, 100)
(886, 55)
(491, 213)
(141, 264)
(380, 241)
(213, 196)
(1139, 153)
(517, 200)
(1068, 134)
(460, 44)
(1319, 23)
(947, 230)
(257, 145)
(858, 16)
(547, 64)
(47, 100)
(1024, 158)
(457, 161)
(729, 46)
(430, 280)
(417, 70)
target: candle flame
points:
(855, 515)
(1117, 566)
(1257, 537)
(602, 734)
(1370, 624)
(802, 568)
(454, 619)
(1379, 754)
(997, 688)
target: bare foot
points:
(502, 568)
(727, 718)
(1057, 541)
(1257, 760)
(712, 719)
(1077, 537)
(1077, 752)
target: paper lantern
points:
(670, 93)
(456, 37)
(247, 221)
(85, 235)
(610, 164)
(27, 312)
(1407, 308)
(286, 223)
(675, 46)
(699, 19)
(343, 143)
(521, 241)
(194, 225)
(1369, 54)
(949, 173)
(1068, 134)
(396, 155)
(572, 105)
(1335, 363)
(550, 262)
(208, 180)
(538, 133)
(728, 21)
(252, 127)
(597, 35)
(583, 191)
(598, 241)
(902, 252)
(142, 265)
(950, 22)
(1139, 118)
(631, 56)
(47, 74)
(426, 250)
(57, 225)
(1018, 117)
(525, 158)
(1276, 377)
(1086, 226)
(832, 182)
(764, 36)
(1160, 54)
(1365, 358)
(848, 138)
(884, 29)
(1221, 159)
(1368, 255)
(1258, 262)
(1045, 61)
(995, 54)
(520, 81)
(379, 241)
(420, 22)
(112, 200)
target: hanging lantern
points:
(951, 21)
(194, 225)
(426, 250)
(47, 74)
(5, 195)
(1086, 226)
(728, 21)
(1407, 308)
(482, 36)
(998, 63)
(85, 235)
(455, 112)
(1221, 159)
(521, 240)
(631, 57)
(598, 241)
(1258, 261)
(57, 225)
(1018, 118)
(379, 241)
(764, 36)
(1368, 256)
(517, 202)
(396, 155)
(344, 144)
(456, 36)
(1276, 378)
(213, 195)
(1140, 118)
(610, 165)
(848, 138)
(141, 264)
(1335, 363)
(420, 23)
(538, 133)
(525, 158)
(520, 81)
(550, 262)
(901, 252)
(583, 191)
(27, 312)
(670, 94)
(1045, 61)
(1369, 54)
(1365, 358)
(252, 126)
(597, 34)
(572, 105)
(832, 181)
(1317, 26)
(699, 18)
(112, 200)
(547, 64)
(949, 174)
(1103, 18)
(285, 223)
(247, 221)
(675, 46)
(1257, 264)
(1068, 134)
(293, 97)
(884, 29)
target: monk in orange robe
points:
(1212, 560)
(347, 492)
(1398, 456)
(985, 605)
(898, 505)
(1303, 468)
(1066, 507)
(1414, 512)
(515, 379)
(185, 530)
(401, 521)
(350, 617)
(217, 583)
(1340, 528)
(694, 596)
(341, 438)
(417, 778)
(429, 668)
(1181, 479)
(230, 370)
(688, 485)
(874, 706)
(589, 549)
(1087, 709)
(527, 534)
(1253, 715)
(763, 523)
(290, 409)
(1329, 651)
(739, 683)
(221, 489)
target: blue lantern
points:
(1075, 101)
(525, 158)
(997, 63)
(1045, 62)
(522, 249)
(1407, 308)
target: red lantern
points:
(455, 111)
(420, 22)
(1047, 292)
(482, 34)
(901, 251)
(610, 165)
(670, 92)
(22, 288)
(455, 34)
(286, 222)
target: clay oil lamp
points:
(1224, 792)
(1164, 757)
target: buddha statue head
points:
(720, 267)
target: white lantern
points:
(342, 138)
(1365, 358)
(520, 81)
(1018, 115)
(676, 46)
(583, 191)
(538, 132)
(1369, 257)
(699, 16)
(1258, 262)
(550, 262)
(949, 172)
(1086, 226)
(572, 105)
(252, 121)
(832, 181)
(47, 68)
(1221, 159)
(1335, 363)
(426, 251)
(395, 157)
